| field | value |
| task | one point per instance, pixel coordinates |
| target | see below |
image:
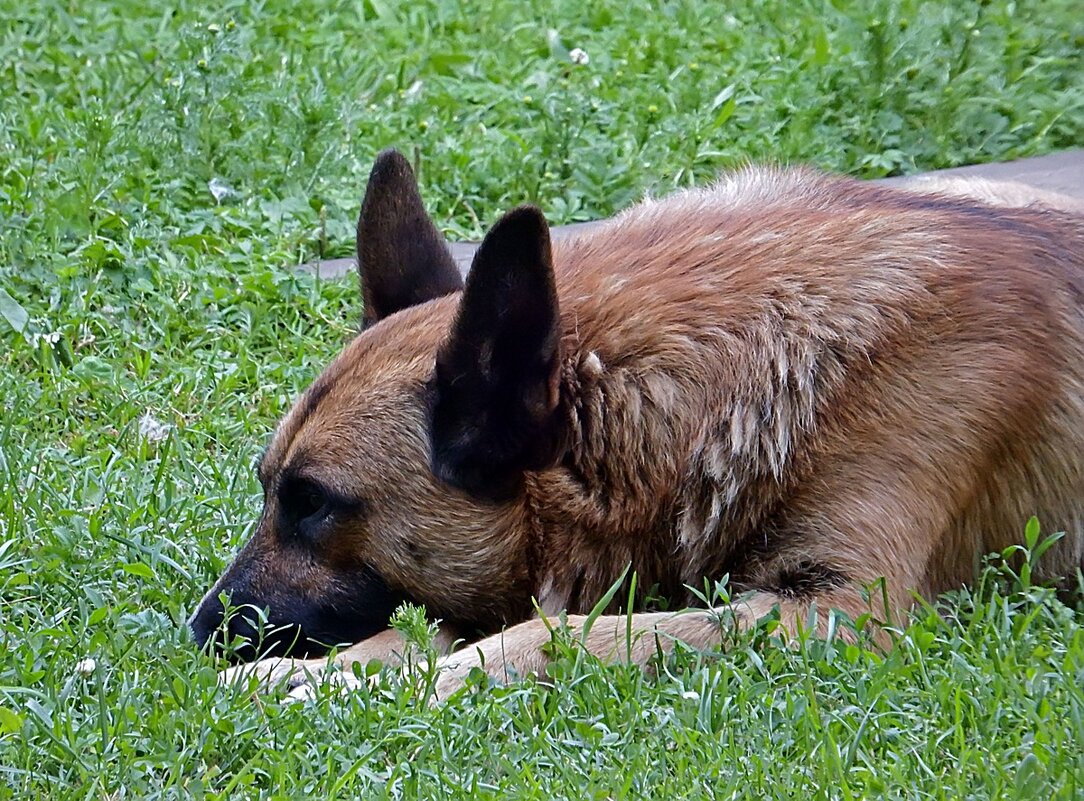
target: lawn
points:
(161, 167)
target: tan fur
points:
(1011, 194)
(805, 382)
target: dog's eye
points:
(301, 499)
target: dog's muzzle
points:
(289, 625)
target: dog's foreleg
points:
(520, 651)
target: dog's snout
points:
(239, 639)
(254, 611)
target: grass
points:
(151, 332)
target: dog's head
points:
(399, 474)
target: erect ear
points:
(402, 258)
(495, 412)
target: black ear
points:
(495, 409)
(402, 258)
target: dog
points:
(803, 382)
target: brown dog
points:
(805, 382)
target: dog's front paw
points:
(269, 673)
(299, 678)
(304, 689)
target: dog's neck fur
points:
(638, 481)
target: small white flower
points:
(220, 189)
(579, 56)
(691, 695)
(152, 429)
(85, 666)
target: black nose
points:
(206, 620)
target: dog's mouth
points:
(289, 626)
(249, 635)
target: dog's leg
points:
(520, 651)
(300, 676)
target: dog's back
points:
(807, 381)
